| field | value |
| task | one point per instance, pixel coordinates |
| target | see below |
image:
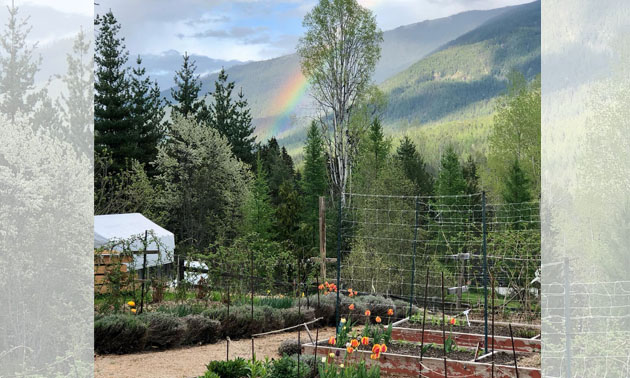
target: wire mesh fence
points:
(389, 243)
(581, 321)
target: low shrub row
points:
(377, 305)
(285, 367)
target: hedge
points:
(119, 334)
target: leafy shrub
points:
(287, 367)
(182, 310)
(164, 330)
(210, 374)
(240, 323)
(119, 334)
(294, 317)
(236, 368)
(200, 329)
(289, 347)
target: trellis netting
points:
(388, 243)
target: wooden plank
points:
(109, 260)
(104, 269)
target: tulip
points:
(390, 312)
(376, 349)
(343, 320)
(453, 321)
(321, 287)
(378, 319)
(331, 355)
(374, 356)
(332, 340)
(365, 340)
(383, 348)
(131, 303)
(133, 310)
(349, 350)
(354, 343)
(367, 313)
(351, 307)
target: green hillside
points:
(461, 79)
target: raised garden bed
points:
(403, 360)
(471, 336)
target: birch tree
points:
(338, 54)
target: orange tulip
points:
(453, 321)
(350, 291)
(133, 310)
(354, 343)
(374, 356)
(365, 340)
(367, 313)
(351, 307)
(321, 287)
(383, 348)
(390, 312)
(378, 319)
(376, 349)
(349, 350)
(356, 293)
(332, 340)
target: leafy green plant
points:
(287, 367)
(236, 368)
(359, 370)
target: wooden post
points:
(322, 237)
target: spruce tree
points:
(314, 180)
(377, 146)
(278, 166)
(258, 210)
(516, 185)
(113, 123)
(186, 91)
(414, 167)
(232, 118)
(147, 113)
(450, 180)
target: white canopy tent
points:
(115, 227)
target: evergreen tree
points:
(18, 67)
(186, 91)
(414, 167)
(258, 210)
(288, 212)
(232, 118)
(113, 127)
(314, 181)
(78, 105)
(147, 113)
(516, 185)
(377, 146)
(278, 167)
(451, 180)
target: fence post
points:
(338, 265)
(567, 317)
(413, 263)
(322, 237)
(144, 271)
(485, 270)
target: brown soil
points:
(461, 354)
(190, 362)
(476, 328)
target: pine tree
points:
(278, 166)
(147, 113)
(78, 105)
(451, 180)
(18, 67)
(377, 146)
(186, 91)
(258, 210)
(414, 167)
(113, 127)
(232, 118)
(241, 136)
(314, 180)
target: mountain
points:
(272, 87)
(162, 67)
(463, 77)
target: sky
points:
(253, 29)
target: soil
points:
(461, 354)
(476, 328)
(188, 362)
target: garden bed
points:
(469, 336)
(403, 360)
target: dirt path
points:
(190, 361)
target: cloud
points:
(235, 32)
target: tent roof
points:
(113, 227)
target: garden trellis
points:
(388, 242)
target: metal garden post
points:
(567, 317)
(413, 263)
(485, 270)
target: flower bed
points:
(395, 363)
(468, 336)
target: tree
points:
(278, 167)
(17, 76)
(78, 105)
(451, 180)
(288, 212)
(204, 186)
(186, 91)
(232, 118)
(516, 133)
(338, 54)
(113, 127)
(469, 171)
(147, 113)
(314, 182)
(258, 210)
(516, 185)
(377, 145)
(414, 167)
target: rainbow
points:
(283, 104)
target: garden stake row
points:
(443, 332)
(513, 350)
(424, 317)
